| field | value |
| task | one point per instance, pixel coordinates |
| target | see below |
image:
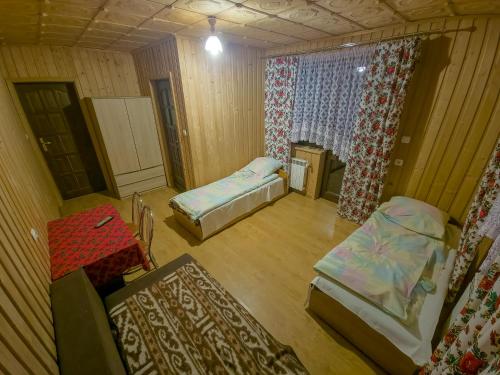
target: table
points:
(105, 252)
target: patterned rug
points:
(186, 323)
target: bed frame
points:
(195, 227)
(366, 339)
(355, 330)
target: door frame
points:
(30, 136)
(182, 134)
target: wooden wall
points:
(222, 100)
(452, 111)
(27, 200)
(225, 107)
(95, 72)
(161, 61)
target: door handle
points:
(44, 144)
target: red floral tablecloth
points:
(104, 252)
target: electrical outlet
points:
(398, 162)
(405, 139)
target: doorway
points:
(166, 106)
(332, 177)
(55, 116)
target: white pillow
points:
(263, 166)
(416, 215)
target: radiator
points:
(298, 174)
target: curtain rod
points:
(342, 46)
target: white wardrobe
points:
(125, 130)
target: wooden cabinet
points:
(316, 158)
(125, 130)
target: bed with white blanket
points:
(384, 287)
(207, 210)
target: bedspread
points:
(382, 261)
(198, 202)
(186, 323)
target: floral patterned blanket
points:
(181, 321)
(382, 261)
(198, 202)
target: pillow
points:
(263, 166)
(416, 215)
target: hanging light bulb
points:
(213, 44)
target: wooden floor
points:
(266, 262)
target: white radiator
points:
(298, 174)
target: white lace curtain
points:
(327, 97)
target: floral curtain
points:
(471, 237)
(376, 126)
(472, 344)
(281, 75)
(328, 96)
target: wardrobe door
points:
(115, 129)
(143, 125)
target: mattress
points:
(382, 261)
(197, 202)
(222, 215)
(412, 337)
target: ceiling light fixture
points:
(350, 44)
(213, 44)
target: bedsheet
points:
(220, 216)
(198, 202)
(382, 261)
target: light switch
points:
(398, 162)
(405, 139)
(34, 233)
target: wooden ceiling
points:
(130, 24)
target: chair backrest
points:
(137, 205)
(146, 227)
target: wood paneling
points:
(128, 24)
(219, 103)
(96, 73)
(452, 112)
(161, 61)
(224, 99)
(27, 200)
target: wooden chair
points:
(137, 205)
(146, 231)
